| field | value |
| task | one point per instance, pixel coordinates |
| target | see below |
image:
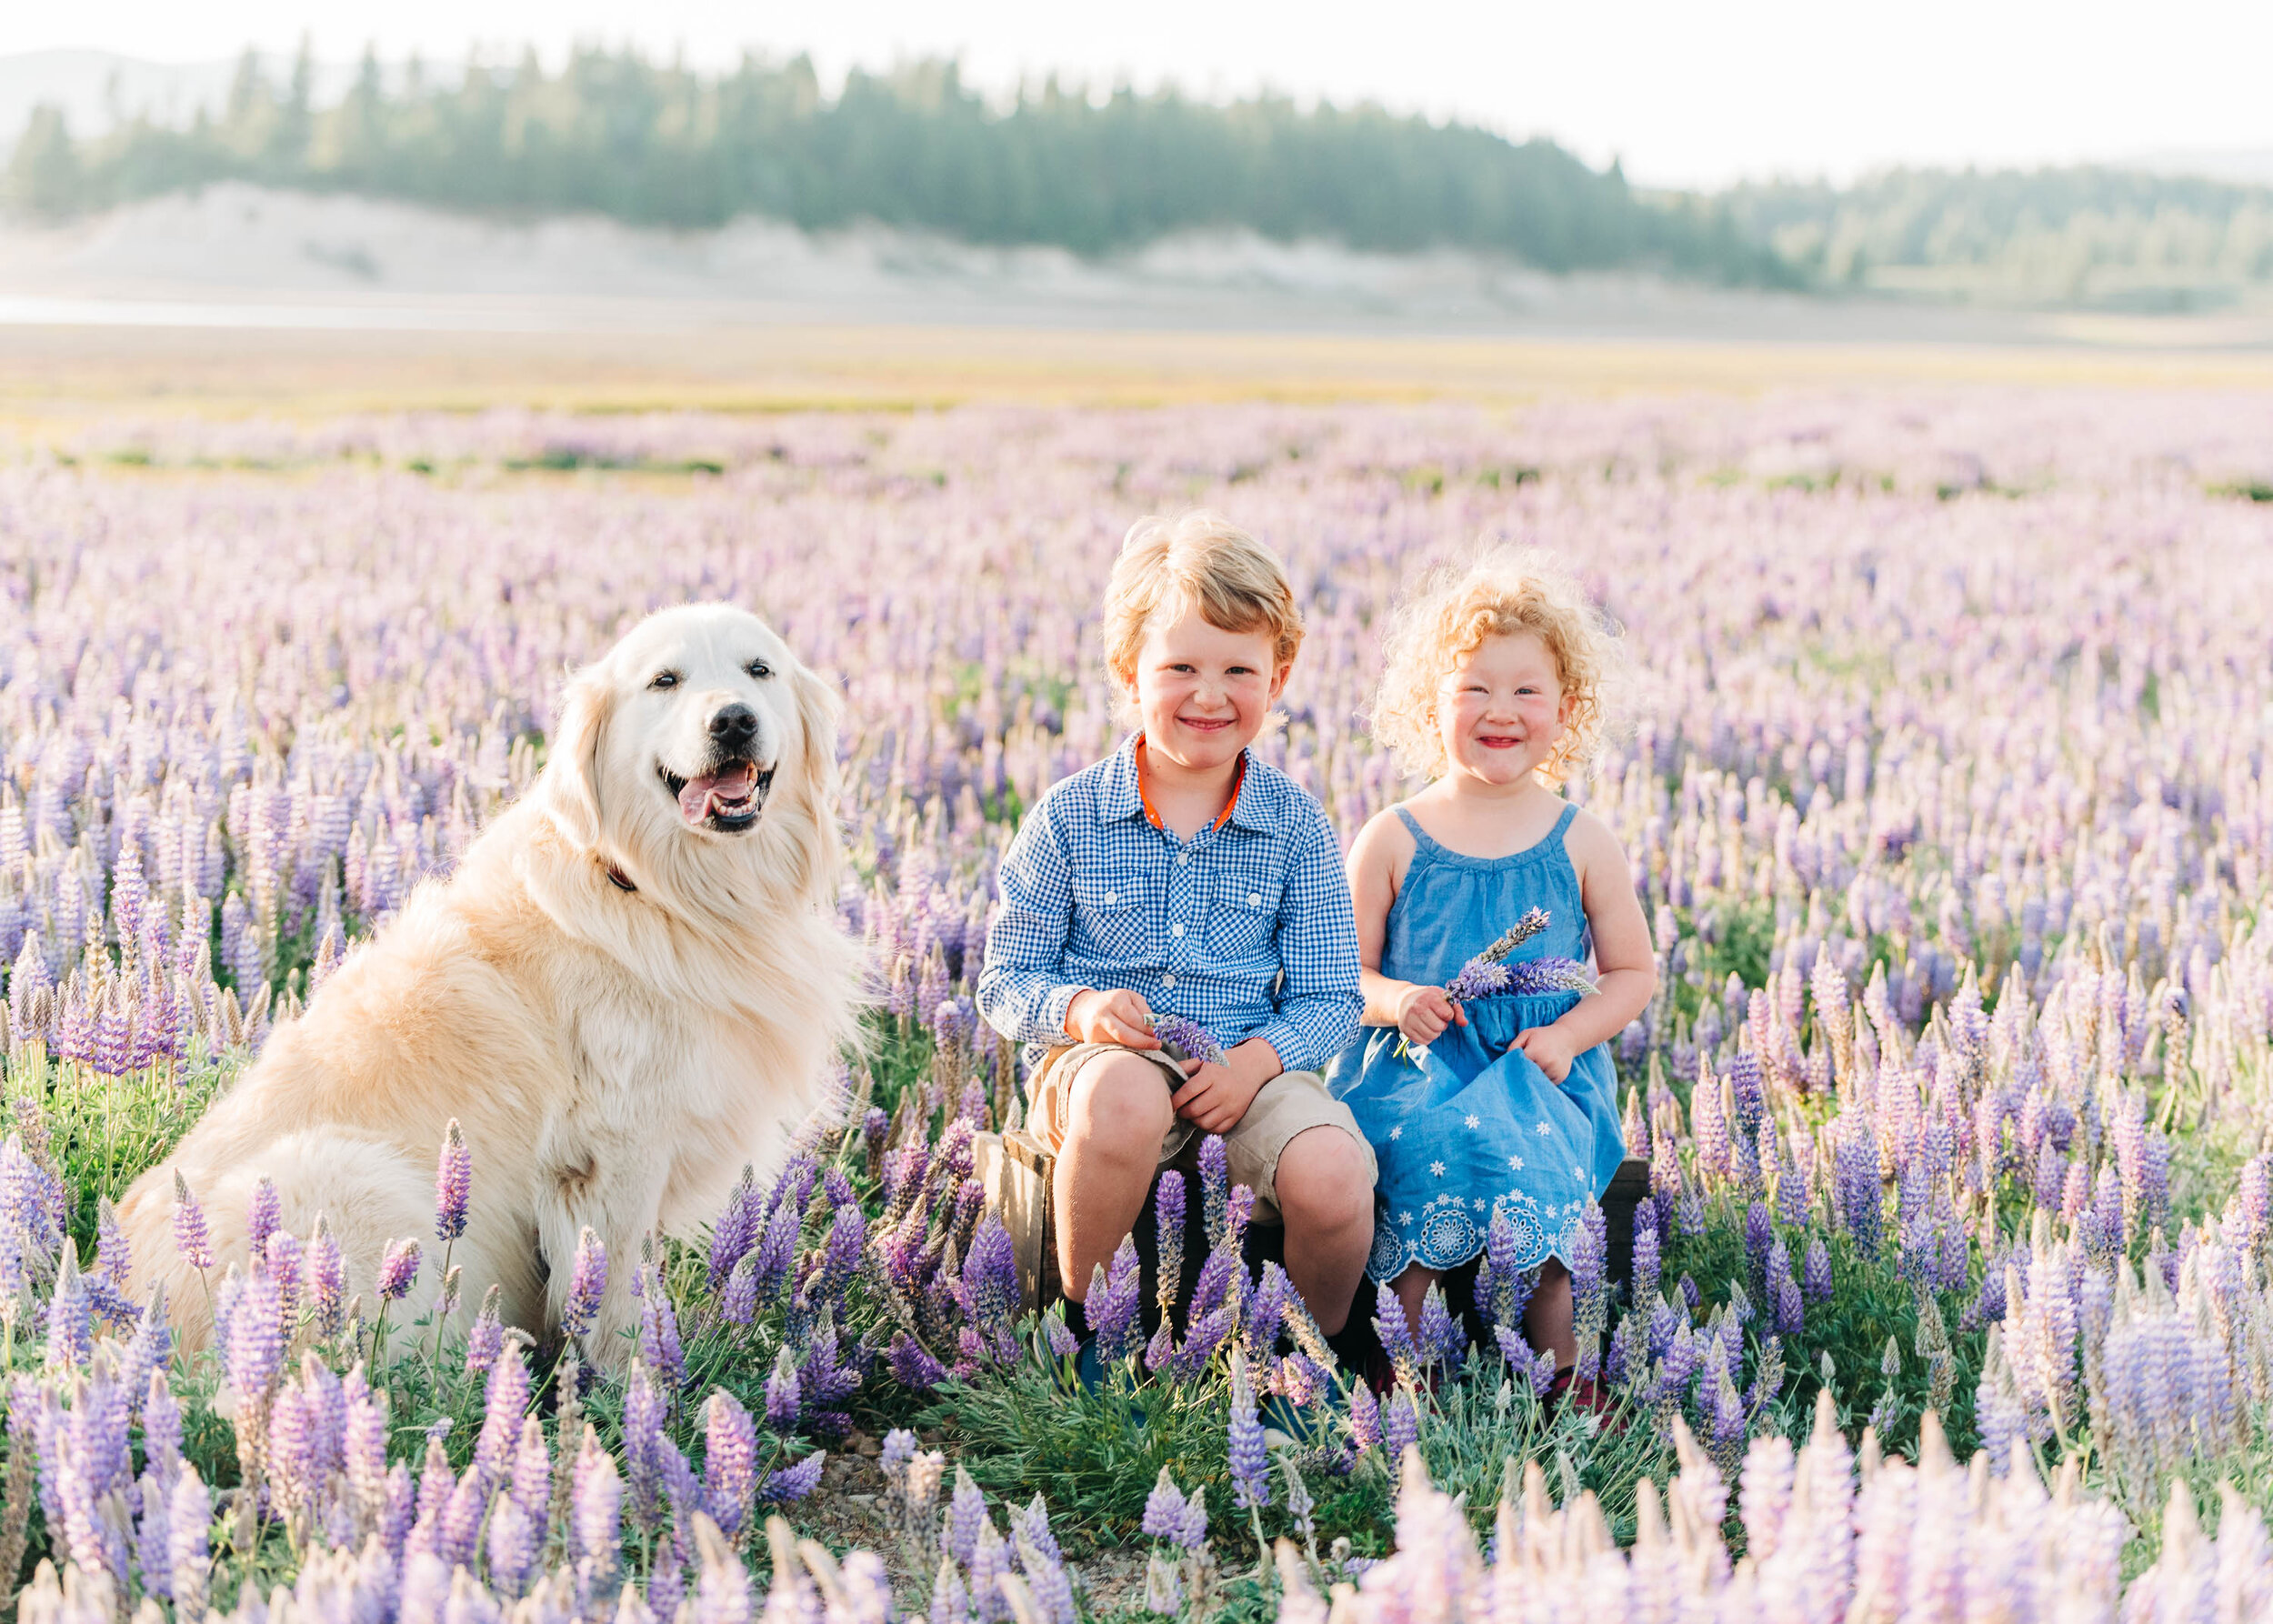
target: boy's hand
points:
(1218, 1096)
(1118, 1017)
(1424, 1012)
(1550, 1051)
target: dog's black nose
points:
(734, 725)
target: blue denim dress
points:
(1472, 1127)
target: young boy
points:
(1182, 875)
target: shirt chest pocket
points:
(1113, 916)
(1243, 913)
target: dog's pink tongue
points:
(696, 798)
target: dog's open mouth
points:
(728, 800)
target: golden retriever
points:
(633, 983)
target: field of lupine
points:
(1944, 779)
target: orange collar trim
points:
(1152, 815)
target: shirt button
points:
(1255, 900)
(1110, 898)
(1175, 930)
(1169, 980)
(1183, 857)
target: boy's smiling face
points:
(1202, 693)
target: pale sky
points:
(1686, 93)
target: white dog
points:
(633, 984)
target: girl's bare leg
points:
(1546, 1321)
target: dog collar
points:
(620, 879)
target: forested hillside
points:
(919, 149)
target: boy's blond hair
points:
(1446, 617)
(1200, 560)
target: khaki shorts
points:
(1288, 1105)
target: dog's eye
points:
(760, 669)
(665, 679)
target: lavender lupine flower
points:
(505, 1400)
(1815, 1282)
(659, 1332)
(1477, 978)
(397, 1269)
(323, 1278)
(1439, 1338)
(1250, 1462)
(1365, 1416)
(1167, 1205)
(1164, 1509)
(967, 1514)
(1400, 1423)
(70, 1325)
(992, 1292)
(595, 1514)
(1215, 1185)
(793, 1483)
(262, 1213)
(1114, 1302)
(729, 1462)
(1648, 1256)
(1540, 978)
(587, 1282)
(254, 1351)
(1187, 1038)
(191, 1238)
(1396, 1338)
(1534, 921)
(487, 1339)
(784, 1399)
(110, 1242)
(453, 1184)
(912, 1364)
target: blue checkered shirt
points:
(1247, 927)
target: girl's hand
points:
(1424, 1012)
(1549, 1050)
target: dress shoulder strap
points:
(1421, 835)
(1562, 824)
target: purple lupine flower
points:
(191, 1239)
(1389, 1324)
(912, 1364)
(729, 1462)
(1063, 1343)
(1186, 1039)
(1534, 921)
(323, 1278)
(70, 1324)
(1477, 978)
(487, 1339)
(1400, 1423)
(1648, 1257)
(643, 1444)
(659, 1332)
(453, 1184)
(188, 1520)
(990, 1563)
(991, 1291)
(1543, 1372)
(1193, 1534)
(795, 1482)
(1438, 1339)
(587, 1282)
(262, 1213)
(784, 1399)
(254, 1351)
(1114, 1300)
(1160, 1353)
(110, 1242)
(1540, 978)
(514, 1542)
(1365, 1416)
(1250, 1462)
(505, 1400)
(1815, 1282)
(1215, 1185)
(595, 1503)
(531, 1484)
(966, 1515)
(397, 1269)
(1164, 1509)
(1266, 1312)
(1167, 1206)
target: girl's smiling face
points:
(1203, 693)
(1501, 711)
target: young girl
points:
(1504, 1104)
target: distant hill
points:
(2099, 238)
(615, 134)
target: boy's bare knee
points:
(1120, 1105)
(1324, 1182)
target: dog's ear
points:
(818, 711)
(572, 768)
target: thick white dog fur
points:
(614, 1057)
